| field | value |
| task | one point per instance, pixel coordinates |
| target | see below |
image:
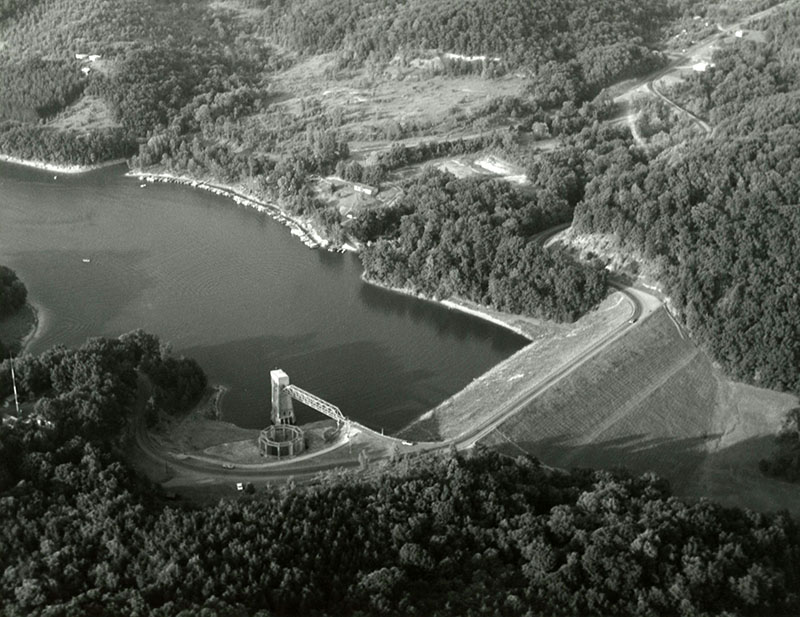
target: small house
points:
(365, 188)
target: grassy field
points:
(86, 114)
(364, 102)
(552, 345)
(655, 402)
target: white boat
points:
(86, 260)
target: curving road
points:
(195, 470)
(687, 55)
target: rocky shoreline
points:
(302, 229)
(57, 168)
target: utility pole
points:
(14, 383)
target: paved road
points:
(522, 401)
(648, 83)
(196, 470)
(642, 301)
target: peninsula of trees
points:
(13, 295)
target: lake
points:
(232, 288)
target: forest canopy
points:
(719, 216)
(474, 239)
(12, 292)
(444, 534)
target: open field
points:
(365, 103)
(552, 345)
(654, 402)
(87, 114)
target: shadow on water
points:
(342, 374)
(55, 277)
(332, 261)
(448, 322)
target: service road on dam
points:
(364, 444)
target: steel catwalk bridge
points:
(305, 397)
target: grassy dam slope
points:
(655, 402)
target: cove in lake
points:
(230, 287)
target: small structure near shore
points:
(283, 438)
(281, 441)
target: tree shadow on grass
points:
(674, 459)
(694, 469)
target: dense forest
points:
(444, 534)
(13, 295)
(719, 216)
(785, 459)
(12, 292)
(602, 42)
(473, 239)
(90, 391)
(197, 78)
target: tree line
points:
(89, 392)
(443, 534)
(13, 295)
(519, 33)
(719, 217)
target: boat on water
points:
(86, 260)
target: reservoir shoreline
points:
(307, 233)
(57, 167)
(414, 381)
(244, 198)
(451, 303)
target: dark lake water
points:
(230, 287)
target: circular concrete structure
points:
(281, 441)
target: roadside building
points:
(365, 188)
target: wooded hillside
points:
(442, 534)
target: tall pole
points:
(14, 382)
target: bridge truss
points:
(315, 402)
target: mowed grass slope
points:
(653, 401)
(552, 346)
